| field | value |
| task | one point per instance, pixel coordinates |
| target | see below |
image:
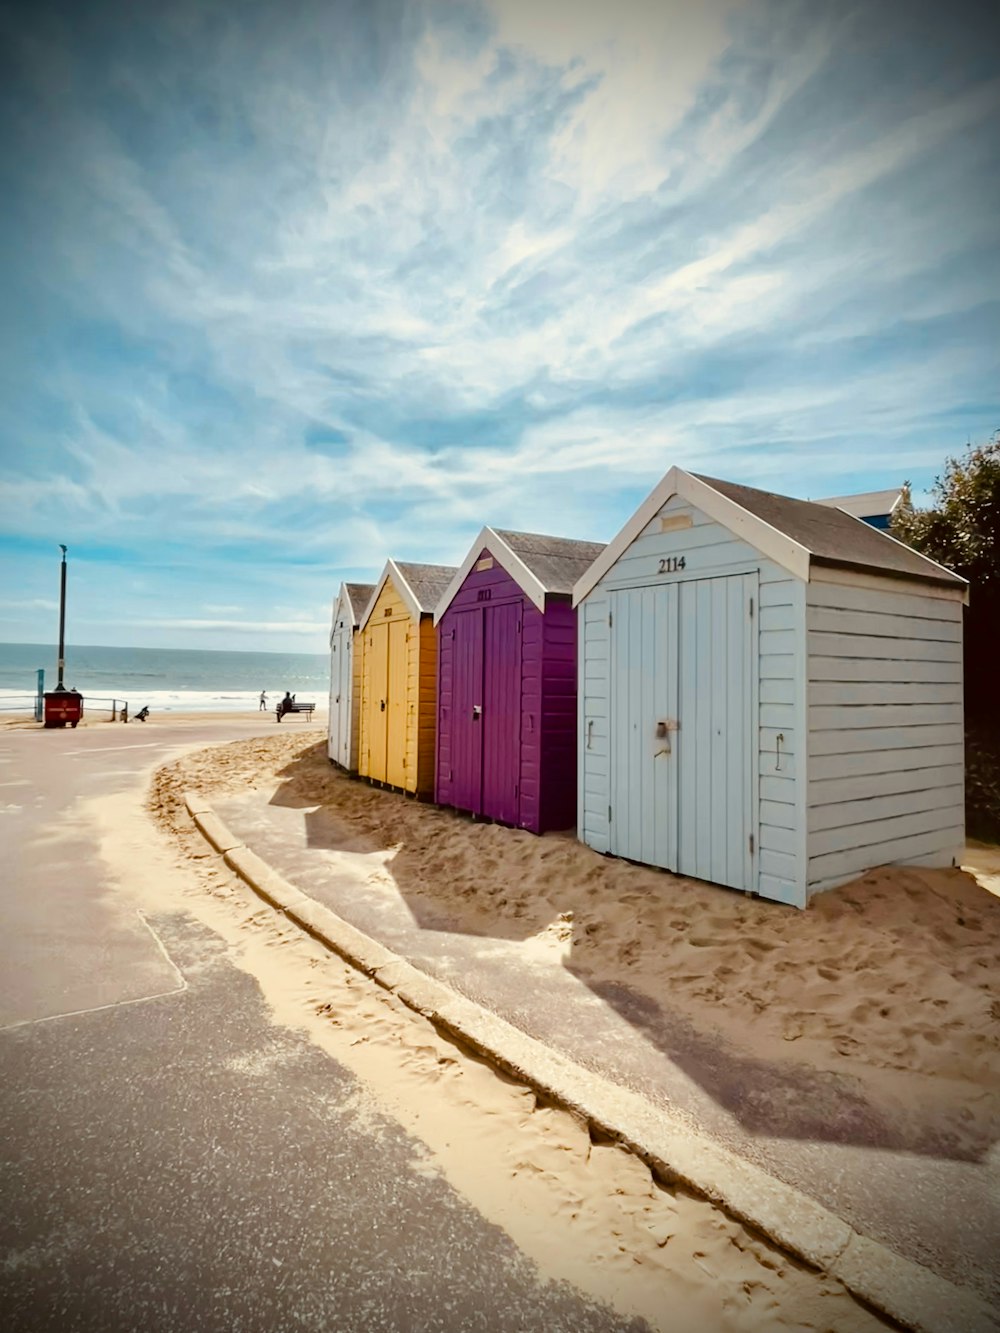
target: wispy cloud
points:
(293, 289)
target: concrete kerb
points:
(905, 1291)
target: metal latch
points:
(663, 729)
(477, 711)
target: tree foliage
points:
(961, 530)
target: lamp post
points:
(62, 621)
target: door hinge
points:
(610, 619)
(751, 844)
(751, 608)
(609, 814)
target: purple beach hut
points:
(507, 717)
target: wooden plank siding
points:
(885, 722)
(557, 720)
(424, 704)
(593, 690)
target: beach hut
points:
(398, 713)
(507, 680)
(345, 674)
(770, 693)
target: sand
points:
(583, 1210)
(895, 973)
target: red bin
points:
(62, 706)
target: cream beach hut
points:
(345, 674)
(770, 693)
(398, 715)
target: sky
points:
(290, 288)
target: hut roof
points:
(796, 534)
(426, 582)
(557, 562)
(543, 566)
(420, 586)
(359, 595)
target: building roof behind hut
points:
(869, 504)
(557, 562)
(426, 582)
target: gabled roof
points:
(353, 597)
(795, 534)
(542, 566)
(420, 587)
(867, 504)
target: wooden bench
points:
(296, 707)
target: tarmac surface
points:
(174, 1160)
(884, 1171)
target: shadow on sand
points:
(777, 1097)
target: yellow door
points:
(376, 703)
(395, 757)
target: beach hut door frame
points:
(682, 735)
(487, 696)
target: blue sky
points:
(287, 288)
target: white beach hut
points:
(770, 693)
(342, 734)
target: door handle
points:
(590, 733)
(381, 704)
(477, 710)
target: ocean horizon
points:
(169, 680)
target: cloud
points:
(301, 290)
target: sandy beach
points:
(895, 973)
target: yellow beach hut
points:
(398, 647)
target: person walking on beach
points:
(263, 701)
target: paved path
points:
(171, 1158)
(905, 1175)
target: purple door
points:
(501, 715)
(467, 706)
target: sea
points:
(168, 680)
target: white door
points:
(345, 696)
(682, 752)
(339, 726)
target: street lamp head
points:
(62, 548)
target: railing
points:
(31, 705)
(117, 708)
(20, 703)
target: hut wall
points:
(886, 739)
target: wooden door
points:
(501, 711)
(716, 747)
(643, 708)
(467, 703)
(333, 716)
(398, 705)
(682, 735)
(377, 673)
(340, 695)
